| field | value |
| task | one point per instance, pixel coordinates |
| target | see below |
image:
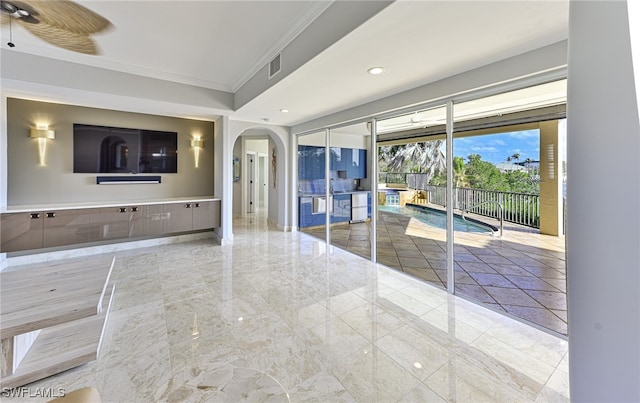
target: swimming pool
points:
(438, 219)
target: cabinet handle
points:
(197, 204)
(51, 215)
(134, 209)
(123, 209)
(188, 205)
(34, 216)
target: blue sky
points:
(495, 148)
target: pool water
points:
(437, 218)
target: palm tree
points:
(459, 172)
(528, 162)
(425, 157)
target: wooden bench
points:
(52, 316)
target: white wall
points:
(342, 16)
(603, 233)
(46, 79)
(550, 59)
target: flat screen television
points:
(103, 149)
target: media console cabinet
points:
(53, 314)
(31, 229)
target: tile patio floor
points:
(522, 274)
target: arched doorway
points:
(259, 188)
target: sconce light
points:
(42, 133)
(197, 145)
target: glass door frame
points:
(372, 171)
(449, 101)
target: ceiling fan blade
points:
(62, 38)
(70, 16)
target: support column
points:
(550, 180)
(223, 185)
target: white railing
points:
(519, 208)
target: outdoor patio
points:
(522, 274)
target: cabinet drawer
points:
(178, 217)
(109, 223)
(206, 215)
(68, 227)
(21, 231)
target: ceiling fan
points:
(61, 23)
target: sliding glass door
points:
(350, 188)
(469, 196)
(411, 226)
(508, 189)
(312, 184)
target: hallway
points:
(281, 317)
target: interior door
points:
(262, 182)
(250, 182)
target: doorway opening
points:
(251, 178)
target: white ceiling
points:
(221, 44)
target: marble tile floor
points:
(282, 317)
(522, 274)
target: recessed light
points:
(265, 119)
(376, 70)
(284, 110)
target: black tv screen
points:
(102, 149)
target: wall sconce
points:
(197, 145)
(42, 133)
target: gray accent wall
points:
(29, 183)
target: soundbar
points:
(129, 179)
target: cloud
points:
(525, 134)
(484, 148)
(463, 140)
(496, 148)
